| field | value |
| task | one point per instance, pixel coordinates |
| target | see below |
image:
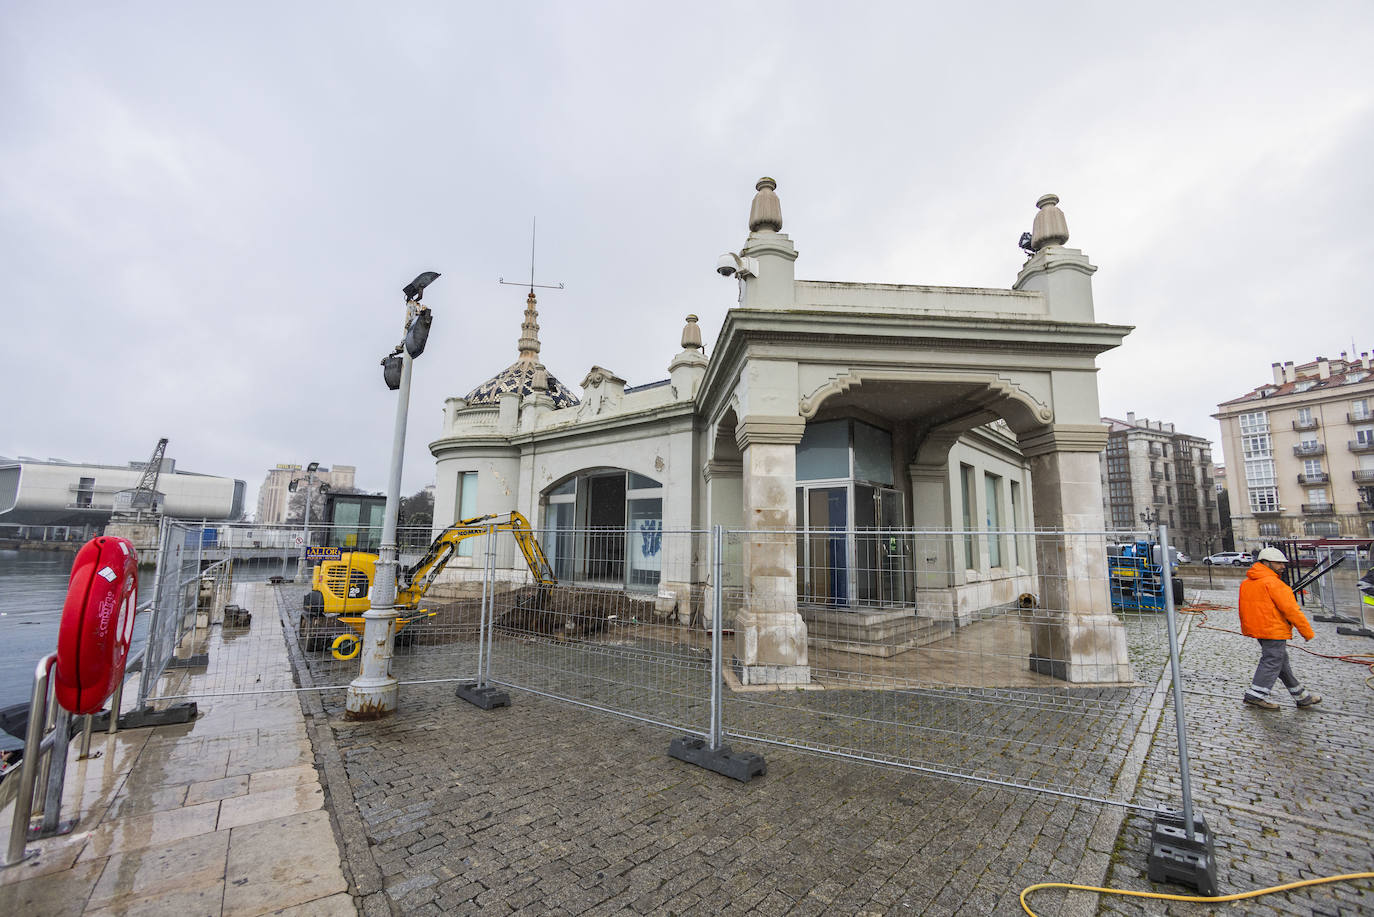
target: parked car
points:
(1230, 559)
(1182, 558)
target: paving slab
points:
(222, 815)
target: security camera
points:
(727, 264)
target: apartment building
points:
(1152, 473)
(274, 497)
(1302, 452)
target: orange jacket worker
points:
(1269, 612)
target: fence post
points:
(717, 648)
(479, 693)
(1180, 843)
(711, 752)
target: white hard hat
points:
(1272, 554)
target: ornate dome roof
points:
(519, 377)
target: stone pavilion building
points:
(830, 406)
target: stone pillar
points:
(770, 636)
(1076, 636)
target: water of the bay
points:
(33, 586)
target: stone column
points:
(770, 636)
(937, 559)
(1075, 636)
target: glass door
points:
(827, 550)
(896, 550)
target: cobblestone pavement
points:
(1287, 794)
(547, 807)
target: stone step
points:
(870, 631)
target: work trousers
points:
(1273, 664)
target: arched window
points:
(606, 526)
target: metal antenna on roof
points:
(545, 286)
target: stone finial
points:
(766, 210)
(691, 334)
(1050, 227)
(540, 382)
(529, 329)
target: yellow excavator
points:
(341, 589)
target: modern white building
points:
(54, 492)
(826, 406)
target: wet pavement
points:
(221, 816)
(271, 802)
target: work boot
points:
(1260, 702)
(1309, 700)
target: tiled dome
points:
(519, 378)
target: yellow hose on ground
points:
(1220, 899)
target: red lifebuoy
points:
(97, 624)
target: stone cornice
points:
(872, 333)
(757, 430)
(1064, 437)
(713, 468)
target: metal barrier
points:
(625, 637)
(994, 657)
(1010, 658)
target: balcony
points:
(1320, 477)
(1303, 426)
(1154, 451)
(1359, 418)
(1363, 476)
(1364, 507)
(1307, 450)
(1357, 446)
(1156, 476)
(1270, 511)
(1318, 509)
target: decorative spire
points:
(1050, 227)
(766, 210)
(691, 334)
(529, 329)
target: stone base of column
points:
(770, 648)
(1087, 649)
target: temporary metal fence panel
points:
(176, 580)
(623, 631)
(437, 641)
(999, 657)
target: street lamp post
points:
(305, 540)
(372, 695)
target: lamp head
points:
(312, 467)
(416, 288)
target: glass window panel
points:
(992, 493)
(640, 482)
(467, 508)
(645, 541)
(824, 451)
(872, 454)
(562, 544)
(567, 487)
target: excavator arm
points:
(421, 576)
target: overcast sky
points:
(207, 213)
